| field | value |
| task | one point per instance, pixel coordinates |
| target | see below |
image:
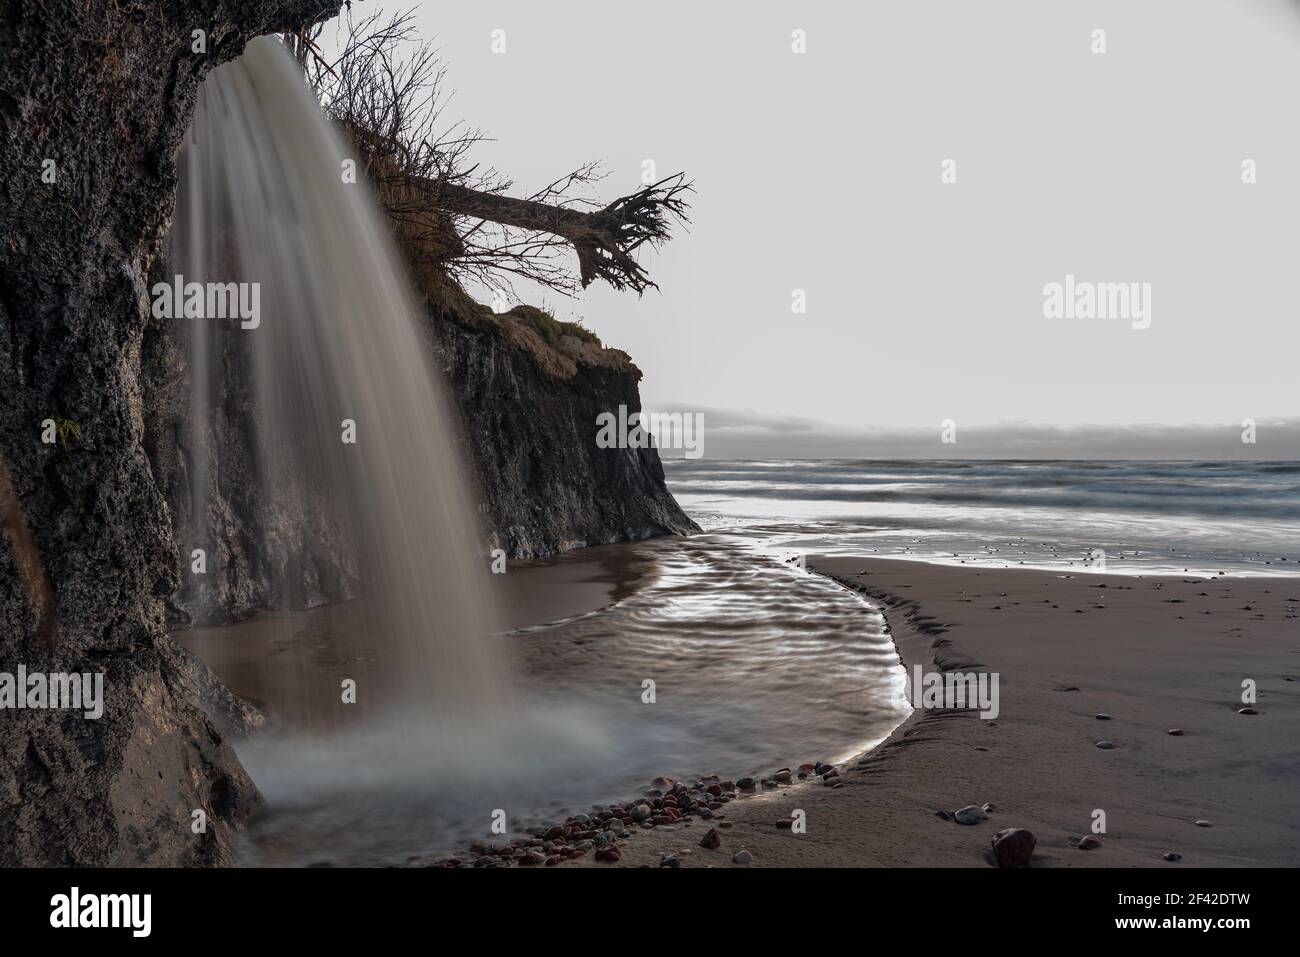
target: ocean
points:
(1206, 518)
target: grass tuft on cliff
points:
(544, 323)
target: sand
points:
(1155, 653)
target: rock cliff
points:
(530, 412)
(95, 96)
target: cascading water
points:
(339, 341)
(337, 348)
(757, 664)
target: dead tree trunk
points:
(605, 239)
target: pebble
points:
(1247, 711)
(1176, 732)
(1013, 847)
(1103, 717)
(970, 814)
(1088, 843)
(1105, 744)
(669, 861)
(1204, 823)
(1171, 856)
(604, 827)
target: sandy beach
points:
(1153, 653)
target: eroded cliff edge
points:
(530, 420)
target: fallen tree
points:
(605, 240)
(384, 90)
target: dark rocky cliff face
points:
(528, 430)
(530, 425)
(260, 554)
(104, 89)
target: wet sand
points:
(1153, 653)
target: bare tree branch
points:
(385, 89)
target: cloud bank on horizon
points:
(747, 434)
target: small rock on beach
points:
(1013, 847)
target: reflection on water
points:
(755, 662)
(755, 665)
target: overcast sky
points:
(821, 172)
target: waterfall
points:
(440, 736)
(336, 352)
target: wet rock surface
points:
(87, 555)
